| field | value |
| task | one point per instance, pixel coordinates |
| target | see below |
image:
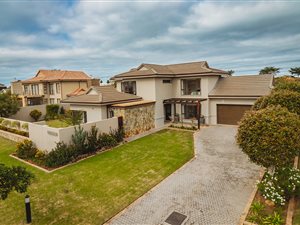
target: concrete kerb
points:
(155, 186)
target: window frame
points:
(133, 87)
(183, 87)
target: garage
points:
(230, 114)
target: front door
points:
(168, 112)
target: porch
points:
(184, 110)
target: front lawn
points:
(94, 190)
(57, 123)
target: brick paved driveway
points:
(212, 189)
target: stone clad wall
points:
(136, 119)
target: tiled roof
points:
(172, 70)
(78, 91)
(57, 75)
(243, 86)
(102, 95)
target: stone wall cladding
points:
(136, 119)
(12, 137)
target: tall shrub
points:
(284, 98)
(270, 137)
(52, 111)
(26, 149)
(61, 155)
(79, 140)
(92, 139)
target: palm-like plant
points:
(295, 71)
(269, 70)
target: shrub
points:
(26, 150)
(79, 140)
(72, 117)
(287, 83)
(35, 114)
(118, 134)
(92, 139)
(11, 130)
(52, 111)
(106, 141)
(16, 124)
(270, 137)
(6, 123)
(40, 155)
(284, 98)
(61, 155)
(256, 212)
(25, 126)
(274, 219)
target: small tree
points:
(79, 140)
(35, 114)
(284, 98)
(269, 70)
(73, 117)
(230, 72)
(270, 137)
(295, 71)
(15, 178)
(9, 104)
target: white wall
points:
(212, 119)
(46, 137)
(94, 113)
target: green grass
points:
(57, 123)
(94, 190)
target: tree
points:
(73, 117)
(14, 178)
(270, 136)
(284, 98)
(230, 72)
(295, 71)
(9, 104)
(269, 70)
(35, 114)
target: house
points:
(181, 91)
(51, 86)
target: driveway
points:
(211, 189)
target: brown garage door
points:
(230, 114)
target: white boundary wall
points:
(46, 137)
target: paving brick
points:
(213, 189)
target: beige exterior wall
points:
(94, 113)
(46, 137)
(212, 119)
(68, 87)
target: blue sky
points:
(104, 38)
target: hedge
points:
(15, 131)
(270, 137)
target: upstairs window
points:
(26, 89)
(167, 81)
(45, 87)
(191, 87)
(34, 89)
(51, 89)
(129, 87)
(58, 88)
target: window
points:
(34, 89)
(26, 89)
(189, 111)
(167, 81)
(51, 89)
(58, 101)
(191, 87)
(58, 88)
(129, 87)
(51, 100)
(45, 89)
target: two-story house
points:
(51, 86)
(181, 91)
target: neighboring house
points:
(180, 91)
(51, 86)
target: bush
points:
(287, 83)
(16, 124)
(52, 111)
(11, 130)
(61, 155)
(284, 98)
(270, 137)
(25, 126)
(6, 123)
(106, 141)
(26, 150)
(79, 140)
(35, 114)
(92, 140)
(118, 134)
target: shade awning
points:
(183, 100)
